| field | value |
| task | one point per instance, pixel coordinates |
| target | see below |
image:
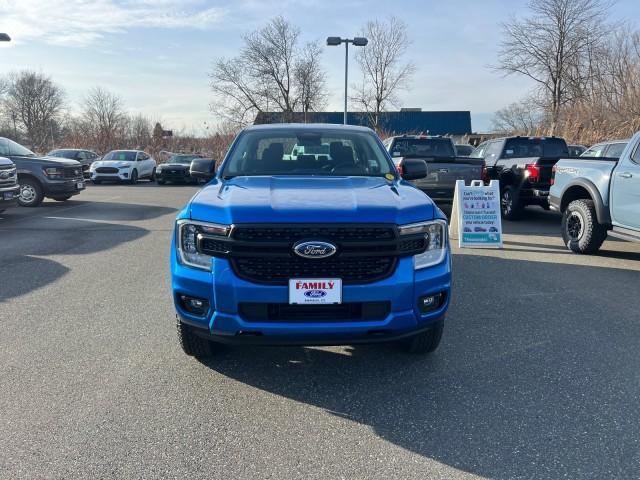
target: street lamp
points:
(336, 41)
(4, 37)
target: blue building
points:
(410, 121)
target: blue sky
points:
(156, 53)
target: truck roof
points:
(307, 126)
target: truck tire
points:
(62, 199)
(425, 342)
(31, 194)
(510, 205)
(191, 344)
(581, 231)
(159, 182)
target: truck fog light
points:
(429, 303)
(197, 306)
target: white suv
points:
(124, 166)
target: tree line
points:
(276, 72)
(585, 68)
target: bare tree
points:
(34, 103)
(104, 115)
(523, 118)
(310, 79)
(384, 70)
(272, 73)
(550, 47)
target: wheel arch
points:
(582, 189)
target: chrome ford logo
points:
(314, 249)
(315, 293)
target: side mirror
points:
(414, 169)
(204, 168)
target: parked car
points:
(123, 166)
(176, 170)
(444, 168)
(41, 177)
(85, 157)
(612, 149)
(332, 251)
(9, 189)
(576, 150)
(598, 197)
(523, 165)
(464, 150)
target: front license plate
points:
(315, 291)
(80, 185)
(8, 195)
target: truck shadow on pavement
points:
(535, 377)
(27, 241)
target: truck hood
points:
(56, 161)
(282, 199)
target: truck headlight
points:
(187, 232)
(435, 233)
(54, 173)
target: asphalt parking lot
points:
(538, 375)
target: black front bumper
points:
(181, 176)
(255, 337)
(64, 188)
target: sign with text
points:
(475, 216)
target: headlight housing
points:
(187, 234)
(54, 173)
(435, 233)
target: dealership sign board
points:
(475, 216)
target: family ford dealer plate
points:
(315, 291)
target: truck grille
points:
(7, 176)
(279, 270)
(264, 253)
(73, 172)
(106, 170)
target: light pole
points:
(4, 37)
(358, 42)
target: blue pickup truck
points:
(326, 249)
(598, 197)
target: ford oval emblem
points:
(315, 293)
(314, 249)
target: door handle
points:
(625, 175)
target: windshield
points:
(350, 153)
(10, 148)
(62, 153)
(183, 159)
(535, 147)
(464, 150)
(423, 147)
(121, 156)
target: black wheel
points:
(425, 342)
(134, 177)
(31, 194)
(510, 205)
(96, 181)
(192, 344)
(160, 182)
(152, 178)
(62, 199)
(581, 231)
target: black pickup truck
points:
(524, 167)
(41, 177)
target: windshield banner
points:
(475, 216)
